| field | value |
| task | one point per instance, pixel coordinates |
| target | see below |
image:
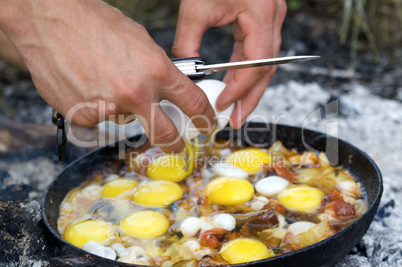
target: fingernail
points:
(209, 129)
(226, 106)
(238, 125)
(177, 149)
(242, 122)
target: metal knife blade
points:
(209, 69)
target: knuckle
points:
(159, 71)
(165, 137)
(200, 105)
(177, 49)
(282, 9)
(283, 6)
(141, 28)
(134, 95)
(87, 118)
(272, 71)
(263, 70)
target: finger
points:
(250, 100)
(237, 55)
(195, 17)
(194, 103)
(255, 45)
(189, 32)
(278, 21)
(243, 81)
(247, 104)
(160, 130)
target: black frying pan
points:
(325, 253)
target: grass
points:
(372, 24)
(362, 24)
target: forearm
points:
(59, 35)
(31, 24)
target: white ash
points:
(38, 173)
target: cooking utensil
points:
(324, 253)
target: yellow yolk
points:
(244, 250)
(301, 198)
(250, 159)
(168, 167)
(157, 194)
(172, 167)
(91, 230)
(118, 186)
(145, 224)
(229, 191)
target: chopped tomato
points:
(214, 238)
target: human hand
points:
(92, 63)
(257, 33)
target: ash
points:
(364, 104)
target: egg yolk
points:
(250, 159)
(229, 191)
(118, 186)
(168, 167)
(91, 230)
(158, 194)
(145, 224)
(244, 250)
(172, 167)
(301, 198)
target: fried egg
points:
(270, 186)
(249, 159)
(225, 221)
(300, 227)
(90, 230)
(229, 170)
(244, 250)
(170, 167)
(116, 187)
(157, 194)
(229, 191)
(190, 226)
(301, 198)
(145, 224)
(173, 167)
(100, 250)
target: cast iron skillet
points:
(325, 253)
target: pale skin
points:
(85, 51)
